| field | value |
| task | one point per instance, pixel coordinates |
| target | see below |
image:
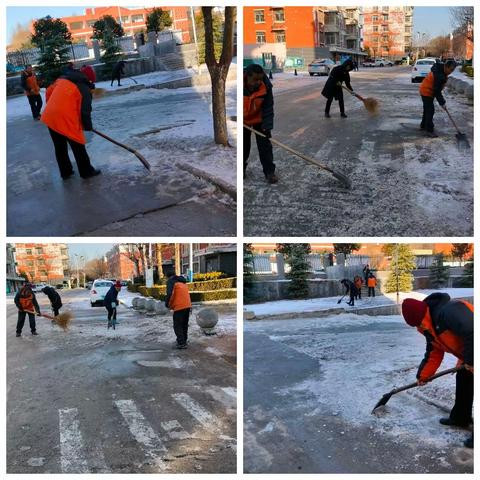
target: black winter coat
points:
(338, 74)
(455, 316)
(53, 296)
(349, 287)
(118, 69)
(111, 297)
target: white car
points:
(38, 287)
(99, 290)
(321, 66)
(381, 62)
(421, 68)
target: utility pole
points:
(192, 13)
(177, 260)
(396, 273)
(190, 263)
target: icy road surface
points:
(310, 386)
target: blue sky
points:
(432, 20)
(88, 250)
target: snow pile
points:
(457, 73)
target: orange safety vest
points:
(27, 303)
(445, 342)
(33, 85)
(372, 282)
(252, 106)
(426, 87)
(180, 299)
(63, 111)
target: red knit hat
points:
(413, 311)
(118, 284)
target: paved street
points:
(97, 400)
(169, 127)
(310, 386)
(403, 184)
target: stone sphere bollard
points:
(160, 308)
(135, 302)
(469, 92)
(207, 318)
(150, 305)
(460, 86)
(140, 303)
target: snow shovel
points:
(136, 83)
(461, 137)
(387, 396)
(126, 147)
(371, 104)
(340, 301)
(339, 176)
(62, 320)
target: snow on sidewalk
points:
(318, 304)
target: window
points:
(331, 18)
(260, 37)
(280, 36)
(279, 15)
(91, 23)
(259, 16)
(385, 9)
(385, 28)
(76, 25)
(29, 263)
(124, 19)
(385, 18)
(408, 29)
(330, 38)
(39, 250)
(375, 28)
(375, 18)
(41, 261)
(137, 18)
(375, 9)
(29, 251)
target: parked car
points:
(88, 285)
(421, 68)
(368, 63)
(321, 66)
(99, 289)
(381, 62)
(124, 283)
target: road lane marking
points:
(175, 430)
(226, 396)
(72, 458)
(324, 152)
(142, 431)
(204, 417)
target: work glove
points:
(338, 84)
(114, 304)
(469, 368)
(267, 133)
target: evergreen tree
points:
(346, 248)
(401, 268)
(296, 255)
(439, 273)
(460, 250)
(467, 277)
(53, 39)
(108, 30)
(158, 20)
(248, 272)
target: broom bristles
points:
(371, 104)
(63, 320)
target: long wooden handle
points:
(451, 119)
(338, 176)
(40, 314)
(352, 93)
(429, 379)
(126, 147)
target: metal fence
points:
(31, 56)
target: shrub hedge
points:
(468, 69)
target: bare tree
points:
(439, 46)
(96, 268)
(462, 21)
(219, 69)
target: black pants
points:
(180, 325)
(340, 102)
(352, 298)
(371, 291)
(428, 113)
(56, 311)
(462, 410)
(36, 104)
(112, 313)
(61, 143)
(21, 321)
(117, 78)
(265, 150)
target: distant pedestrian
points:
(355, 66)
(89, 72)
(333, 86)
(431, 89)
(350, 289)
(110, 302)
(27, 304)
(366, 273)
(371, 283)
(178, 300)
(31, 88)
(358, 284)
(55, 300)
(117, 72)
(67, 115)
(258, 114)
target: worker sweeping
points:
(357, 280)
(350, 289)
(55, 299)
(67, 115)
(31, 88)
(258, 114)
(333, 86)
(111, 302)
(448, 328)
(371, 284)
(178, 300)
(117, 72)
(26, 303)
(431, 89)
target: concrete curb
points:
(460, 86)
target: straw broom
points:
(63, 320)
(371, 104)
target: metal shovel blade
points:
(462, 140)
(383, 401)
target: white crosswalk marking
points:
(226, 396)
(175, 430)
(232, 391)
(142, 431)
(324, 153)
(208, 420)
(366, 151)
(72, 458)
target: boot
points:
(327, 115)
(93, 173)
(431, 134)
(34, 333)
(469, 442)
(19, 334)
(451, 423)
(343, 115)
(272, 178)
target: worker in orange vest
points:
(67, 115)
(431, 89)
(27, 304)
(371, 284)
(258, 114)
(32, 91)
(448, 328)
(178, 300)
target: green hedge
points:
(468, 69)
(224, 294)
